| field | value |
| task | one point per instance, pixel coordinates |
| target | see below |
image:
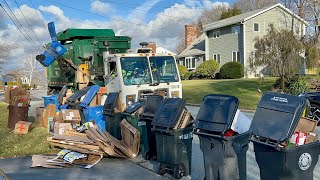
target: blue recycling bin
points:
(52, 99)
(51, 53)
(95, 113)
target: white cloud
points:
(101, 8)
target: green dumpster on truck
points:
(85, 45)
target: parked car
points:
(314, 99)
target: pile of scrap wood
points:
(86, 149)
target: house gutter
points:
(244, 46)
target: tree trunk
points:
(282, 82)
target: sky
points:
(159, 21)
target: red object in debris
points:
(230, 132)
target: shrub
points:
(182, 71)
(187, 75)
(232, 70)
(299, 86)
(207, 69)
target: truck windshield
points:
(163, 69)
(135, 70)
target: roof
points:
(197, 47)
(70, 34)
(246, 16)
(163, 50)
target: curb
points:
(243, 110)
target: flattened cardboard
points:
(306, 125)
(60, 128)
(82, 85)
(49, 112)
(73, 133)
(40, 161)
(130, 139)
(184, 120)
(311, 137)
(70, 116)
(94, 101)
(22, 127)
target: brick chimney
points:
(190, 34)
(153, 46)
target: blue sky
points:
(159, 21)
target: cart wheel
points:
(161, 170)
(147, 155)
(179, 171)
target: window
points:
(217, 58)
(256, 27)
(235, 29)
(190, 62)
(236, 56)
(214, 34)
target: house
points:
(194, 54)
(232, 39)
(164, 51)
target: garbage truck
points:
(108, 63)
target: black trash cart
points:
(224, 156)
(273, 124)
(174, 145)
(113, 118)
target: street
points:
(19, 168)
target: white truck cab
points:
(138, 75)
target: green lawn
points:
(245, 89)
(12, 145)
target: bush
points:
(299, 86)
(207, 69)
(188, 75)
(182, 71)
(231, 70)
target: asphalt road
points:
(138, 168)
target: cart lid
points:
(134, 107)
(110, 103)
(151, 106)
(277, 116)
(169, 113)
(216, 113)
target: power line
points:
(12, 13)
(18, 5)
(16, 25)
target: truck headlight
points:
(174, 94)
(130, 99)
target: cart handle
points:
(207, 134)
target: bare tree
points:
(180, 43)
(279, 50)
(31, 69)
(251, 5)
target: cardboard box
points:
(39, 114)
(64, 99)
(183, 120)
(49, 112)
(69, 92)
(61, 128)
(70, 116)
(130, 139)
(306, 125)
(82, 85)
(22, 127)
(311, 137)
(94, 101)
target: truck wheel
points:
(315, 112)
(179, 171)
(161, 170)
(147, 155)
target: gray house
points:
(194, 54)
(232, 39)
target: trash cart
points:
(224, 151)
(113, 118)
(17, 113)
(52, 99)
(153, 102)
(277, 118)
(174, 145)
(95, 113)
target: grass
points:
(246, 90)
(13, 145)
